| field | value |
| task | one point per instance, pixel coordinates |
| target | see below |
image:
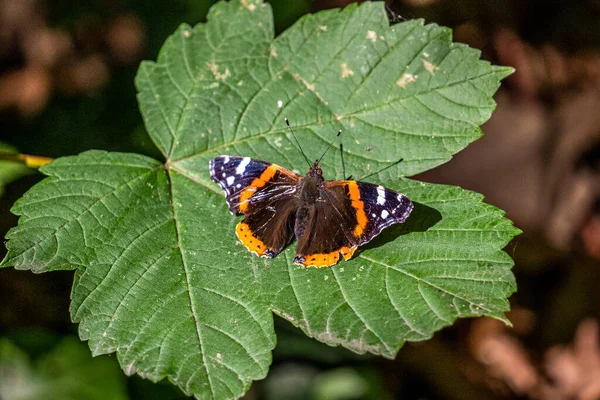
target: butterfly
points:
(328, 218)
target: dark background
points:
(66, 85)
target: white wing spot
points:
(226, 159)
(238, 186)
(230, 180)
(242, 167)
(384, 214)
(373, 215)
(380, 195)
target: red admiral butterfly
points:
(326, 217)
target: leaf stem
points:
(26, 159)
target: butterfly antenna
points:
(382, 169)
(343, 163)
(328, 147)
(297, 142)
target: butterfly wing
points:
(348, 214)
(265, 193)
(368, 209)
(374, 208)
(321, 233)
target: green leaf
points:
(67, 372)
(160, 279)
(10, 171)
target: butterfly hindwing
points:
(322, 233)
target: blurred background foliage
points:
(66, 85)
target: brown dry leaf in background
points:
(28, 89)
(504, 357)
(46, 59)
(569, 371)
(125, 39)
(574, 370)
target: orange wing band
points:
(359, 206)
(325, 259)
(256, 184)
(251, 242)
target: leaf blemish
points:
(430, 66)
(405, 80)
(372, 36)
(323, 27)
(309, 86)
(346, 72)
(215, 71)
(186, 33)
(251, 7)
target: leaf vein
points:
(360, 317)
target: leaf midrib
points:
(188, 284)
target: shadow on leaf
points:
(421, 219)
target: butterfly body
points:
(328, 218)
